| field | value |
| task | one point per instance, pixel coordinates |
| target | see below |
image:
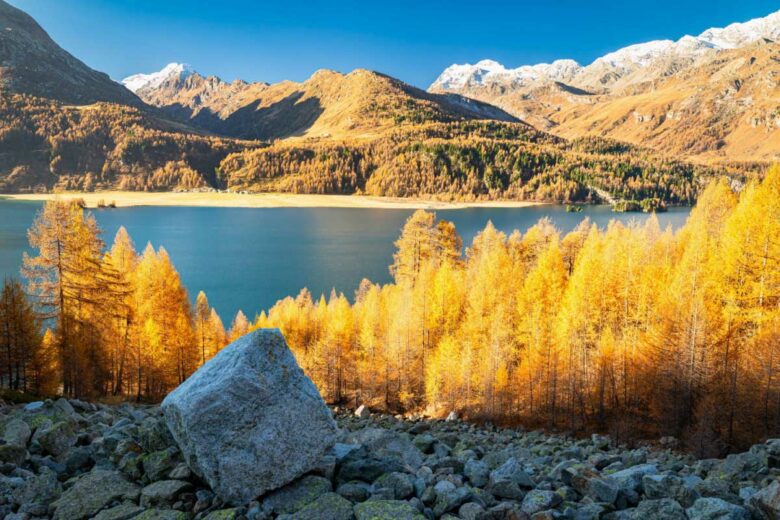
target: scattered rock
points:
(362, 412)
(58, 438)
(17, 433)
(163, 492)
(43, 488)
(538, 500)
(124, 463)
(716, 509)
(767, 501)
(329, 506)
(249, 420)
(296, 495)
(386, 510)
(123, 511)
(93, 492)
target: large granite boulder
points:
(249, 420)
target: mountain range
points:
(327, 105)
(647, 122)
(711, 97)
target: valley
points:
(366, 133)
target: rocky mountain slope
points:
(727, 107)
(65, 126)
(32, 63)
(72, 460)
(698, 80)
(361, 104)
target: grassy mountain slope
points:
(361, 104)
(721, 107)
(727, 108)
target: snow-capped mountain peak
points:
(136, 82)
(638, 55)
(487, 71)
(615, 64)
(741, 34)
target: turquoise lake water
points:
(248, 258)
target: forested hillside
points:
(470, 161)
(46, 145)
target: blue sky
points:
(411, 40)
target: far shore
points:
(122, 199)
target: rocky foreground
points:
(71, 460)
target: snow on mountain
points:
(137, 82)
(639, 55)
(620, 62)
(487, 71)
(741, 34)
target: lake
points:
(248, 258)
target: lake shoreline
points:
(259, 200)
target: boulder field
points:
(71, 460)
(248, 437)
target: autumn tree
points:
(20, 338)
(65, 277)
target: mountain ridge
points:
(32, 63)
(710, 98)
(607, 69)
(361, 103)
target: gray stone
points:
(13, 454)
(249, 420)
(450, 500)
(664, 508)
(366, 469)
(121, 512)
(590, 483)
(540, 500)
(296, 495)
(58, 438)
(17, 433)
(163, 492)
(715, 487)
(180, 472)
(43, 489)
(470, 511)
(341, 450)
(512, 471)
(631, 478)
(159, 464)
(354, 491)
(223, 514)
(716, 509)
(78, 458)
(161, 514)
(669, 486)
(386, 510)
(477, 472)
(329, 506)
(400, 483)
(386, 444)
(93, 492)
(153, 435)
(363, 412)
(64, 406)
(766, 502)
